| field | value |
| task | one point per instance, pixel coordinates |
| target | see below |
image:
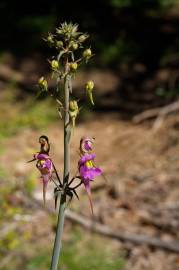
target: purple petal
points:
(86, 157)
(89, 173)
(98, 171)
(46, 179)
(87, 145)
(84, 172)
(42, 156)
(86, 183)
(48, 164)
(45, 166)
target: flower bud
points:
(89, 86)
(42, 82)
(59, 44)
(87, 53)
(73, 66)
(50, 39)
(75, 46)
(73, 111)
(89, 89)
(82, 38)
(73, 105)
(54, 64)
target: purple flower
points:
(86, 144)
(45, 166)
(87, 170)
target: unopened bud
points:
(42, 82)
(50, 39)
(89, 85)
(82, 38)
(73, 105)
(73, 66)
(87, 53)
(89, 90)
(73, 111)
(75, 46)
(59, 44)
(54, 64)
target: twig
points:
(123, 236)
(139, 239)
(160, 112)
(146, 115)
(164, 224)
(166, 110)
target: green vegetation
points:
(93, 254)
(30, 183)
(136, 33)
(28, 113)
(81, 253)
(18, 250)
(120, 18)
(142, 3)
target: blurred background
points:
(135, 123)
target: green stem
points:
(58, 236)
(66, 132)
(61, 214)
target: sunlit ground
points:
(27, 234)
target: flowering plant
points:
(71, 53)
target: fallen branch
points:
(161, 223)
(173, 107)
(160, 112)
(146, 115)
(104, 230)
(123, 236)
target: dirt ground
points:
(142, 189)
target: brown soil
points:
(141, 166)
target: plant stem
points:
(61, 214)
(58, 236)
(66, 132)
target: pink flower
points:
(86, 144)
(87, 170)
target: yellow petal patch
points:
(89, 164)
